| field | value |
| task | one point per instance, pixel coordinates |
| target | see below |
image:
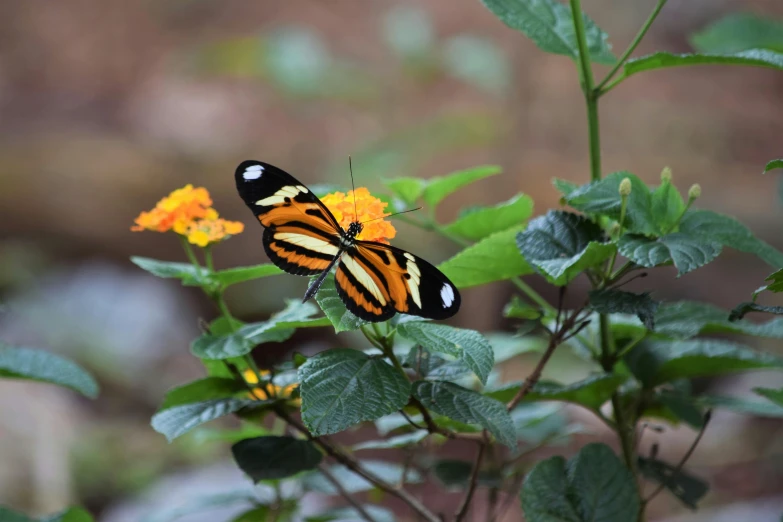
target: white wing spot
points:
(253, 172)
(447, 295)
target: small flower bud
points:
(694, 192)
(666, 175)
(625, 187)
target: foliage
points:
(424, 383)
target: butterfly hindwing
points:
(376, 280)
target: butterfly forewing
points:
(302, 237)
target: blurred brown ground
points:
(106, 106)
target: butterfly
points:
(302, 237)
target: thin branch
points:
(352, 464)
(631, 48)
(463, 508)
(343, 493)
(684, 459)
(510, 498)
(554, 341)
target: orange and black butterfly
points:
(302, 237)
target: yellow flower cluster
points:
(367, 208)
(188, 212)
(263, 393)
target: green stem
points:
(586, 72)
(533, 295)
(208, 258)
(191, 255)
(631, 48)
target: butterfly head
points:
(354, 229)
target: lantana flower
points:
(188, 212)
(262, 392)
(367, 209)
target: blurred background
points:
(107, 106)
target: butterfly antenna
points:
(395, 214)
(353, 187)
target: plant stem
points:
(343, 493)
(591, 99)
(208, 258)
(631, 48)
(465, 505)
(684, 458)
(191, 255)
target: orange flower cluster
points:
(367, 208)
(262, 393)
(188, 212)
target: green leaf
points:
(667, 206)
(656, 362)
(739, 32)
(8, 515)
(562, 245)
(427, 364)
(407, 189)
(739, 311)
(202, 390)
(494, 258)
(755, 57)
(518, 309)
(463, 405)
(550, 25)
(399, 441)
(611, 301)
(485, 221)
(353, 483)
(741, 405)
(775, 396)
(275, 457)
(186, 272)
(277, 328)
(40, 365)
(686, 252)
(468, 346)
(593, 486)
(281, 325)
(591, 392)
(687, 488)
(220, 346)
(438, 188)
(603, 197)
(341, 388)
(774, 164)
(539, 422)
(179, 420)
(775, 284)
(727, 231)
(686, 319)
(241, 274)
(564, 186)
(254, 515)
(72, 514)
(334, 308)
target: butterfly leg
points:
(315, 285)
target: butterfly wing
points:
(375, 280)
(301, 237)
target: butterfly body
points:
(302, 237)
